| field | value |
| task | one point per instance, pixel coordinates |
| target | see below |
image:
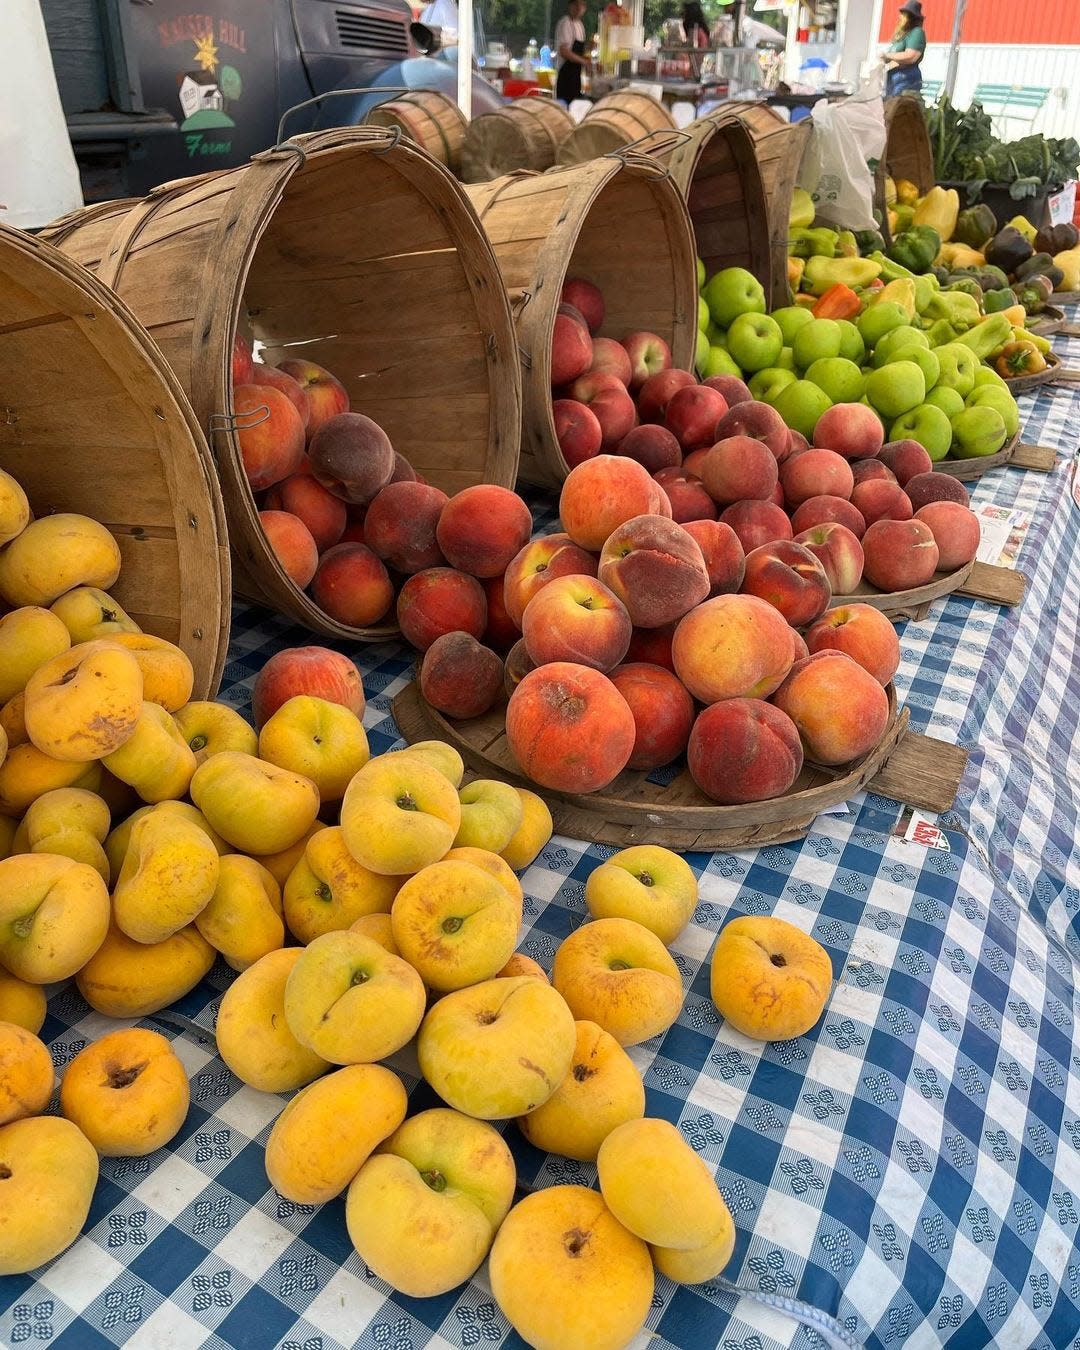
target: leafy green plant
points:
(967, 151)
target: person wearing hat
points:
(905, 52)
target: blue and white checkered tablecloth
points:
(908, 1174)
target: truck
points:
(154, 90)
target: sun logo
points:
(206, 54)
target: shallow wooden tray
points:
(915, 769)
(1047, 322)
(980, 581)
(1038, 457)
(1024, 384)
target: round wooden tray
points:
(1024, 384)
(897, 603)
(1047, 322)
(977, 465)
(634, 810)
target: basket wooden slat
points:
(432, 119)
(714, 165)
(526, 134)
(619, 222)
(96, 423)
(779, 146)
(356, 250)
(613, 123)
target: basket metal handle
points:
(339, 93)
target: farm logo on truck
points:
(210, 89)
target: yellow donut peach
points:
(49, 1170)
(253, 1035)
(321, 740)
(166, 670)
(88, 613)
(54, 914)
(257, 807)
(125, 978)
(169, 873)
(328, 889)
(399, 814)
(54, 554)
(21, 1002)
(769, 979)
(28, 638)
(127, 1092)
(156, 760)
(242, 919)
(26, 1073)
(84, 704)
(210, 728)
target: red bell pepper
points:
(838, 302)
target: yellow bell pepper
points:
(894, 221)
(1069, 262)
(1016, 315)
(795, 269)
(1025, 227)
(1021, 335)
(906, 192)
(890, 192)
(960, 255)
(901, 292)
(801, 215)
(939, 208)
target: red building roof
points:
(1037, 22)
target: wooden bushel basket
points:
(95, 422)
(526, 134)
(351, 248)
(614, 122)
(714, 166)
(907, 151)
(619, 222)
(779, 147)
(429, 118)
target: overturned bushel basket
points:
(613, 123)
(94, 422)
(713, 165)
(620, 223)
(429, 118)
(779, 147)
(350, 248)
(526, 134)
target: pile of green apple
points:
(944, 397)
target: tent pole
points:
(954, 49)
(465, 58)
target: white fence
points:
(1055, 67)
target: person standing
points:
(570, 47)
(903, 57)
(695, 27)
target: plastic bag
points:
(846, 142)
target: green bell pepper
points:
(995, 301)
(869, 241)
(965, 286)
(916, 248)
(817, 242)
(940, 332)
(984, 338)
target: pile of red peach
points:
(320, 473)
(863, 507)
(632, 640)
(595, 381)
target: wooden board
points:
(679, 816)
(1015, 454)
(998, 585)
(1048, 321)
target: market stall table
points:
(908, 1173)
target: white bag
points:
(846, 141)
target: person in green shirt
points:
(903, 57)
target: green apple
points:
(754, 341)
(924, 358)
(732, 292)
(701, 352)
(958, 365)
(978, 432)
(852, 347)
(703, 316)
(786, 359)
(717, 336)
(816, 340)
(765, 385)
(880, 319)
(948, 400)
(927, 425)
(867, 404)
(904, 336)
(719, 362)
(896, 389)
(791, 318)
(990, 396)
(841, 380)
(987, 375)
(700, 274)
(800, 404)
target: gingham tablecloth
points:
(908, 1174)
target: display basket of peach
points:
(667, 683)
(353, 267)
